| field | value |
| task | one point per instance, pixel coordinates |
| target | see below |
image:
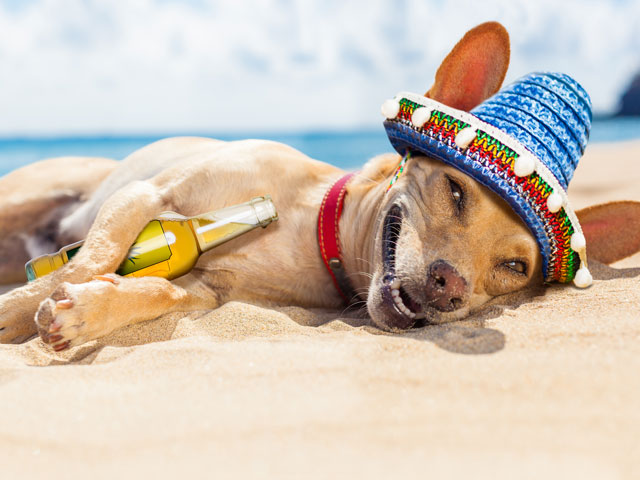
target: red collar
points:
(329, 236)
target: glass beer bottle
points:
(170, 245)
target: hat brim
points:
(490, 158)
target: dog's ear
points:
(612, 230)
(475, 68)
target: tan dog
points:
(457, 247)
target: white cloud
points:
(103, 66)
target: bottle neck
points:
(220, 226)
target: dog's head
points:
(443, 244)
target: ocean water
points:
(346, 149)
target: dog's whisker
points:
(363, 177)
(352, 305)
(357, 295)
(362, 290)
(393, 242)
(362, 274)
(362, 311)
(364, 260)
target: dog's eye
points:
(456, 193)
(517, 266)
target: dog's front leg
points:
(118, 223)
(77, 313)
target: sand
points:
(540, 385)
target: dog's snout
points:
(446, 288)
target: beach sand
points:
(544, 384)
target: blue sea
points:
(345, 149)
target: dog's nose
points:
(445, 287)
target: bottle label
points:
(151, 247)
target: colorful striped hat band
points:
(523, 143)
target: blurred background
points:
(102, 78)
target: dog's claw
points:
(64, 304)
(107, 278)
(61, 346)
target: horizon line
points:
(251, 133)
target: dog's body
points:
(459, 244)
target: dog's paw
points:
(76, 313)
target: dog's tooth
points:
(420, 316)
(396, 284)
(402, 307)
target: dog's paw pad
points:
(44, 318)
(49, 325)
(53, 320)
(61, 293)
(77, 313)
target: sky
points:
(146, 66)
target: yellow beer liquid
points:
(171, 245)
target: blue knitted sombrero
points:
(523, 143)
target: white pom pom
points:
(390, 108)
(420, 116)
(578, 242)
(524, 166)
(555, 202)
(583, 278)
(465, 137)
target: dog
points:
(456, 246)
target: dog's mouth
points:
(400, 306)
